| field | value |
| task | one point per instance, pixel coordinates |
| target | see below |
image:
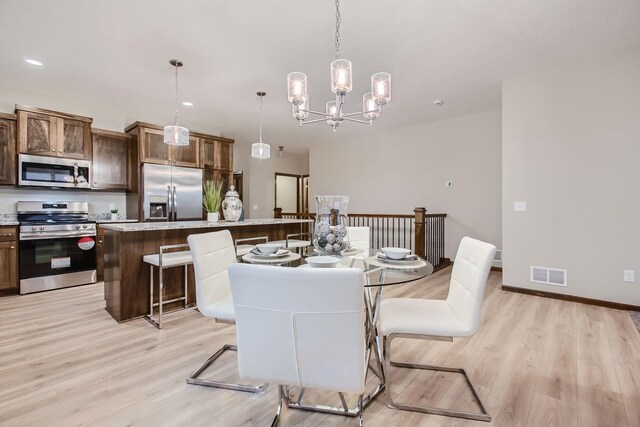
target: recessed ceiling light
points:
(187, 104)
(34, 62)
(438, 102)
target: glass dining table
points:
(379, 273)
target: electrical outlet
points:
(449, 184)
(255, 207)
(629, 276)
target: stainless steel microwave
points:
(42, 171)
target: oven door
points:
(44, 171)
(57, 262)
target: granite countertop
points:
(9, 219)
(115, 221)
(153, 226)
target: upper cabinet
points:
(217, 153)
(51, 133)
(111, 153)
(152, 149)
(7, 149)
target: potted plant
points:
(211, 200)
(114, 214)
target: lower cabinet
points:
(8, 260)
(100, 254)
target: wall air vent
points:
(498, 257)
(549, 276)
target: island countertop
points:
(127, 278)
(181, 225)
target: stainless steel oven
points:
(57, 246)
(42, 171)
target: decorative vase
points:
(232, 205)
(330, 232)
(114, 217)
(212, 216)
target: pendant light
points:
(260, 150)
(174, 134)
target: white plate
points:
(280, 253)
(323, 261)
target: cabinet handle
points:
(59, 151)
(53, 149)
(12, 247)
(6, 235)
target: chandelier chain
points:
(337, 29)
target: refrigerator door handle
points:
(175, 204)
(169, 204)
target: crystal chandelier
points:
(260, 150)
(341, 85)
(174, 134)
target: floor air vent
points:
(549, 276)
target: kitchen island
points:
(126, 276)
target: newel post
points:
(277, 212)
(419, 217)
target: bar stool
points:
(295, 243)
(245, 249)
(164, 260)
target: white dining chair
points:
(300, 327)
(359, 238)
(458, 316)
(212, 255)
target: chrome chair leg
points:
(281, 397)
(484, 416)
(193, 378)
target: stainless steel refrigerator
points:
(171, 193)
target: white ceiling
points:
(115, 54)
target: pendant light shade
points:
(260, 150)
(175, 134)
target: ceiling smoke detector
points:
(438, 102)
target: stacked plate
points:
(396, 256)
(278, 254)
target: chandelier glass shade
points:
(175, 134)
(341, 85)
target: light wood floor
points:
(535, 361)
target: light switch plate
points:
(629, 276)
(255, 207)
(519, 206)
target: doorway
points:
(291, 192)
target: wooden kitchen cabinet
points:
(100, 254)
(8, 260)
(51, 133)
(152, 148)
(110, 160)
(224, 177)
(217, 153)
(7, 149)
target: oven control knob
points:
(42, 228)
(84, 226)
(78, 227)
(34, 228)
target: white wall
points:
(98, 201)
(398, 170)
(259, 177)
(571, 147)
